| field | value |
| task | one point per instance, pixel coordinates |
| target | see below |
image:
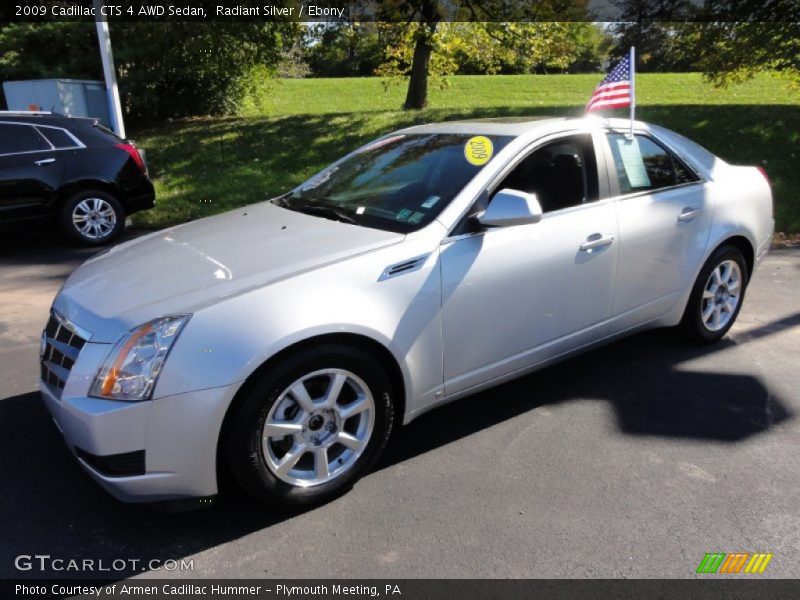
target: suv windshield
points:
(400, 182)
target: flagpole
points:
(633, 86)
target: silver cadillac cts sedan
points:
(284, 341)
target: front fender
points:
(226, 342)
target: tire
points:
(268, 404)
(102, 214)
(708, 319)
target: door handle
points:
(688, 213)
(593, 243)
(44, 161)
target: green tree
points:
(729, 52)
(178, 69)
(654, 28)
(489, 47)
(344, 49)
(730, 40)
(507, 23)
(164, 69)
(427, 15)
(49, 49)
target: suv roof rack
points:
(26, 112)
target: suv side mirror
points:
(511, 207)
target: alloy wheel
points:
(94, 218)
(318, 427)
(721, 295)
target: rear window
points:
(58, 137)
(20, 138)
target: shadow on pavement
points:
(50, 506)
(50, 248)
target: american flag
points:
(615, 90)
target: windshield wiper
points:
(329, 212)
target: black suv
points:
(70, 172)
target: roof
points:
(41, 117)
(517, 126)
(60, 79)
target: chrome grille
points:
(61, 346)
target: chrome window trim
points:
(629, 195)
(52, 148)
(25, 113)
(69, 134)
(461, 236)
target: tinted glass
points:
(561, 174)
(58, 137)
(398, 183)
(682, 174)
(642, 164)
(20, 138)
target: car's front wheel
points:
(305, 429)
(92, 217)
(717, 295)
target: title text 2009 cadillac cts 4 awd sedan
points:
(284, 341)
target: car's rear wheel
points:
(92, 217)
(717, 295)
(309, 426)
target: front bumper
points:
(178, 434)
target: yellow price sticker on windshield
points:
(478, 150)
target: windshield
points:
(400, 182)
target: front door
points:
(514, 296)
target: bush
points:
(164, 69)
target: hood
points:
(181, 269)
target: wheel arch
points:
(357, 340)
(735, 238)
(71, 188)
(745, 246)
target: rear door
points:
(30, 172)
(664, 211)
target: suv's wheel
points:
(308, 427)
(717, 295)
(92, 217)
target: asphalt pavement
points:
(633, 460)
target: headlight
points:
(130, 370)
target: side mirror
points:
(511, 207)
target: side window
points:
(682, 174)
(562, 173)
(643, 165)
(58, 137)
(20, 138)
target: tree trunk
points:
(417, 96)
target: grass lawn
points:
(289, 129)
